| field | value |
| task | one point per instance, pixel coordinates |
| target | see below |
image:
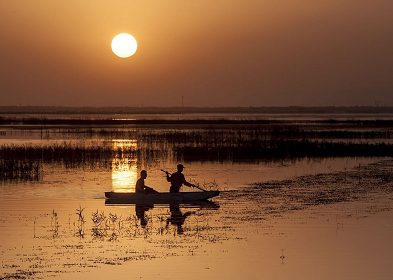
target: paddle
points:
(192, 185)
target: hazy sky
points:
(214, 53)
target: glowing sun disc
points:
(124, 45)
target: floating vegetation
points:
(20, 274)
(310, 190)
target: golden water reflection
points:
(124, 168)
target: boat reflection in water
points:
(177, 216)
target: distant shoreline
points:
(195, 110)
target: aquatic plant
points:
(54, 224)
(210, 185)
(282, 254)
(80, 222)
(98, 228)
(113, 226)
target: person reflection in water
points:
(177, 179)
(140, 211)
(140, 186)
(177, 218)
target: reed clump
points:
(285, 149)
(207, 149)
(20, 169)
(74, 155)
(80, 222)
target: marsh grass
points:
(211, 142)
(80, 223)
(54, 224)
(111, 227)
(21, 169)
(15, 165)
(98, 228)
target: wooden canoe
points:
(159, 198)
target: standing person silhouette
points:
(177, 179)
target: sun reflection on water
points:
(124, 169)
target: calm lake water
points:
(281, 218)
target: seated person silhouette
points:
(140, 186)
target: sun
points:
(124, 45)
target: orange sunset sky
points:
(211, 53)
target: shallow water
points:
(249, 233)
(90, 183)
(340, 241)
(304, 218)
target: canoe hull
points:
(159, 198)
